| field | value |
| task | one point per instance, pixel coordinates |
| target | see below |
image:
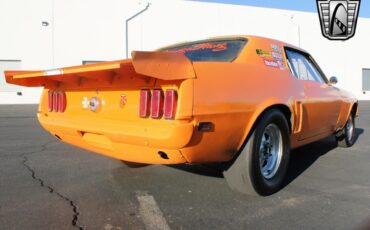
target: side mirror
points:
(333, 80)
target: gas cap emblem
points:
(94, 104)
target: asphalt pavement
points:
(46, 184)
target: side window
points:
(302, 67)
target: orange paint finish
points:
(231, 96)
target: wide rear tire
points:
(261, 166)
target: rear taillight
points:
(50, 101)
(57, 101)
(62, 102)
(144, 110)
(157, 104)
(170, 104)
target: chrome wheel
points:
(270, 151)
(263, 162)
(350, 128)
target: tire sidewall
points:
(262, 185)
(350, 139)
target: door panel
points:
(322, 102)
(321, 109)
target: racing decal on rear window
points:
(223, 50)
(205, 46)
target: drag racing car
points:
(245, 101)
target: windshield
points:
(225, 50)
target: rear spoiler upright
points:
(163, 65)
(160, 65)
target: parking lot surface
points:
(46, 184)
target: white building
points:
(45, 34)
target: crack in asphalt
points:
(42, 183)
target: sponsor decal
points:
(272, 58)
(276, 48)
(338, 18)
(281, 65)
(277, 56)
(271, 63)
(263, 53)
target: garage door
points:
(9, 65)
(365, 79)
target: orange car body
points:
(217, 104)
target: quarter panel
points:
(232, 96)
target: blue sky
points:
(300, 5)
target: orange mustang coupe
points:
(243, 100)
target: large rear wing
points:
(160, 65)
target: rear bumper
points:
(124, 140)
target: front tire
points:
(347, 138)
(262, 164)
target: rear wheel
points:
(347, 138)
(262, 164)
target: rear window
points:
(210, 50)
